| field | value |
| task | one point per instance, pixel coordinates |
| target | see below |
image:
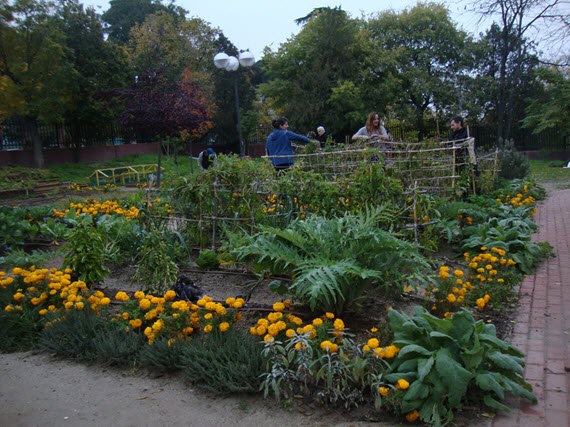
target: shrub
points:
(73, 334)
(444, 360)
(223, 363)
(513, 164)
(207, 260)
(331, 261)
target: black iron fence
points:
(15, 135)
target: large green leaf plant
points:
(444, 360)
(331, 261)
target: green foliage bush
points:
(332, 261)
(73, 334)
(513, 164)
(446, 360)
(207, 260)
(86, 253)
(223, 362)
(156, 268)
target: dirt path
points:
(38, 390)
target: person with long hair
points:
(373, 129)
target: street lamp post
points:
(231, 63)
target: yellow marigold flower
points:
(318, 321)
(289, 333)
(412, 416)
(374, 329)
(35, 301)
(121, 296)
(239, 303)
(261, 330)
(68, 305)
(451, 298)
(274, 317)
(144, 303)
(148, 331)
(294, 319)
(105, 301)
(402, 384)
(79, 305)
(384, 391)
(169, 295)
(18, 297)
(125, 316)
(483, 248)
(139, 295)
(486, 297)
(208, 329)
(278, 306)
(480, 303)
(42, 312)
(269, 339)
(329, 315)
(135, 323)
(262, 321)
(329, 347)
(373, 343)
(366, 348)
(157, 326)
(230, 301)
(300, 346)
(208, 316)
(224, 326)
(501, 280)
(390, 352)
(338, 325)
(458, 273)
(187, 330)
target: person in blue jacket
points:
(278, 146)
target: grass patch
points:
(550, 171)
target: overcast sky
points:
(255, 24)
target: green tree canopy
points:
(306, 72)
(551, 110)
(417, 57)
(37, 75)
(122, 15)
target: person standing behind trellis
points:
(278, 146)
(372, 129)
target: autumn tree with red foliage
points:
(155, 106)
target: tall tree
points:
(172, 62)
(416, 60)
(305, 72)
(99, 65)
(515, 19)
(504, 81)
(552, 109)
(35, 68)
(122, 15)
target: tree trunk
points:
(32, 132)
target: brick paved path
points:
(542, 330)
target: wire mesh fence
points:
(429, 168)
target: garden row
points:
(333, 245)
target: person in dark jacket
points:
(458, 131)
(321, 135)
(278, 146)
